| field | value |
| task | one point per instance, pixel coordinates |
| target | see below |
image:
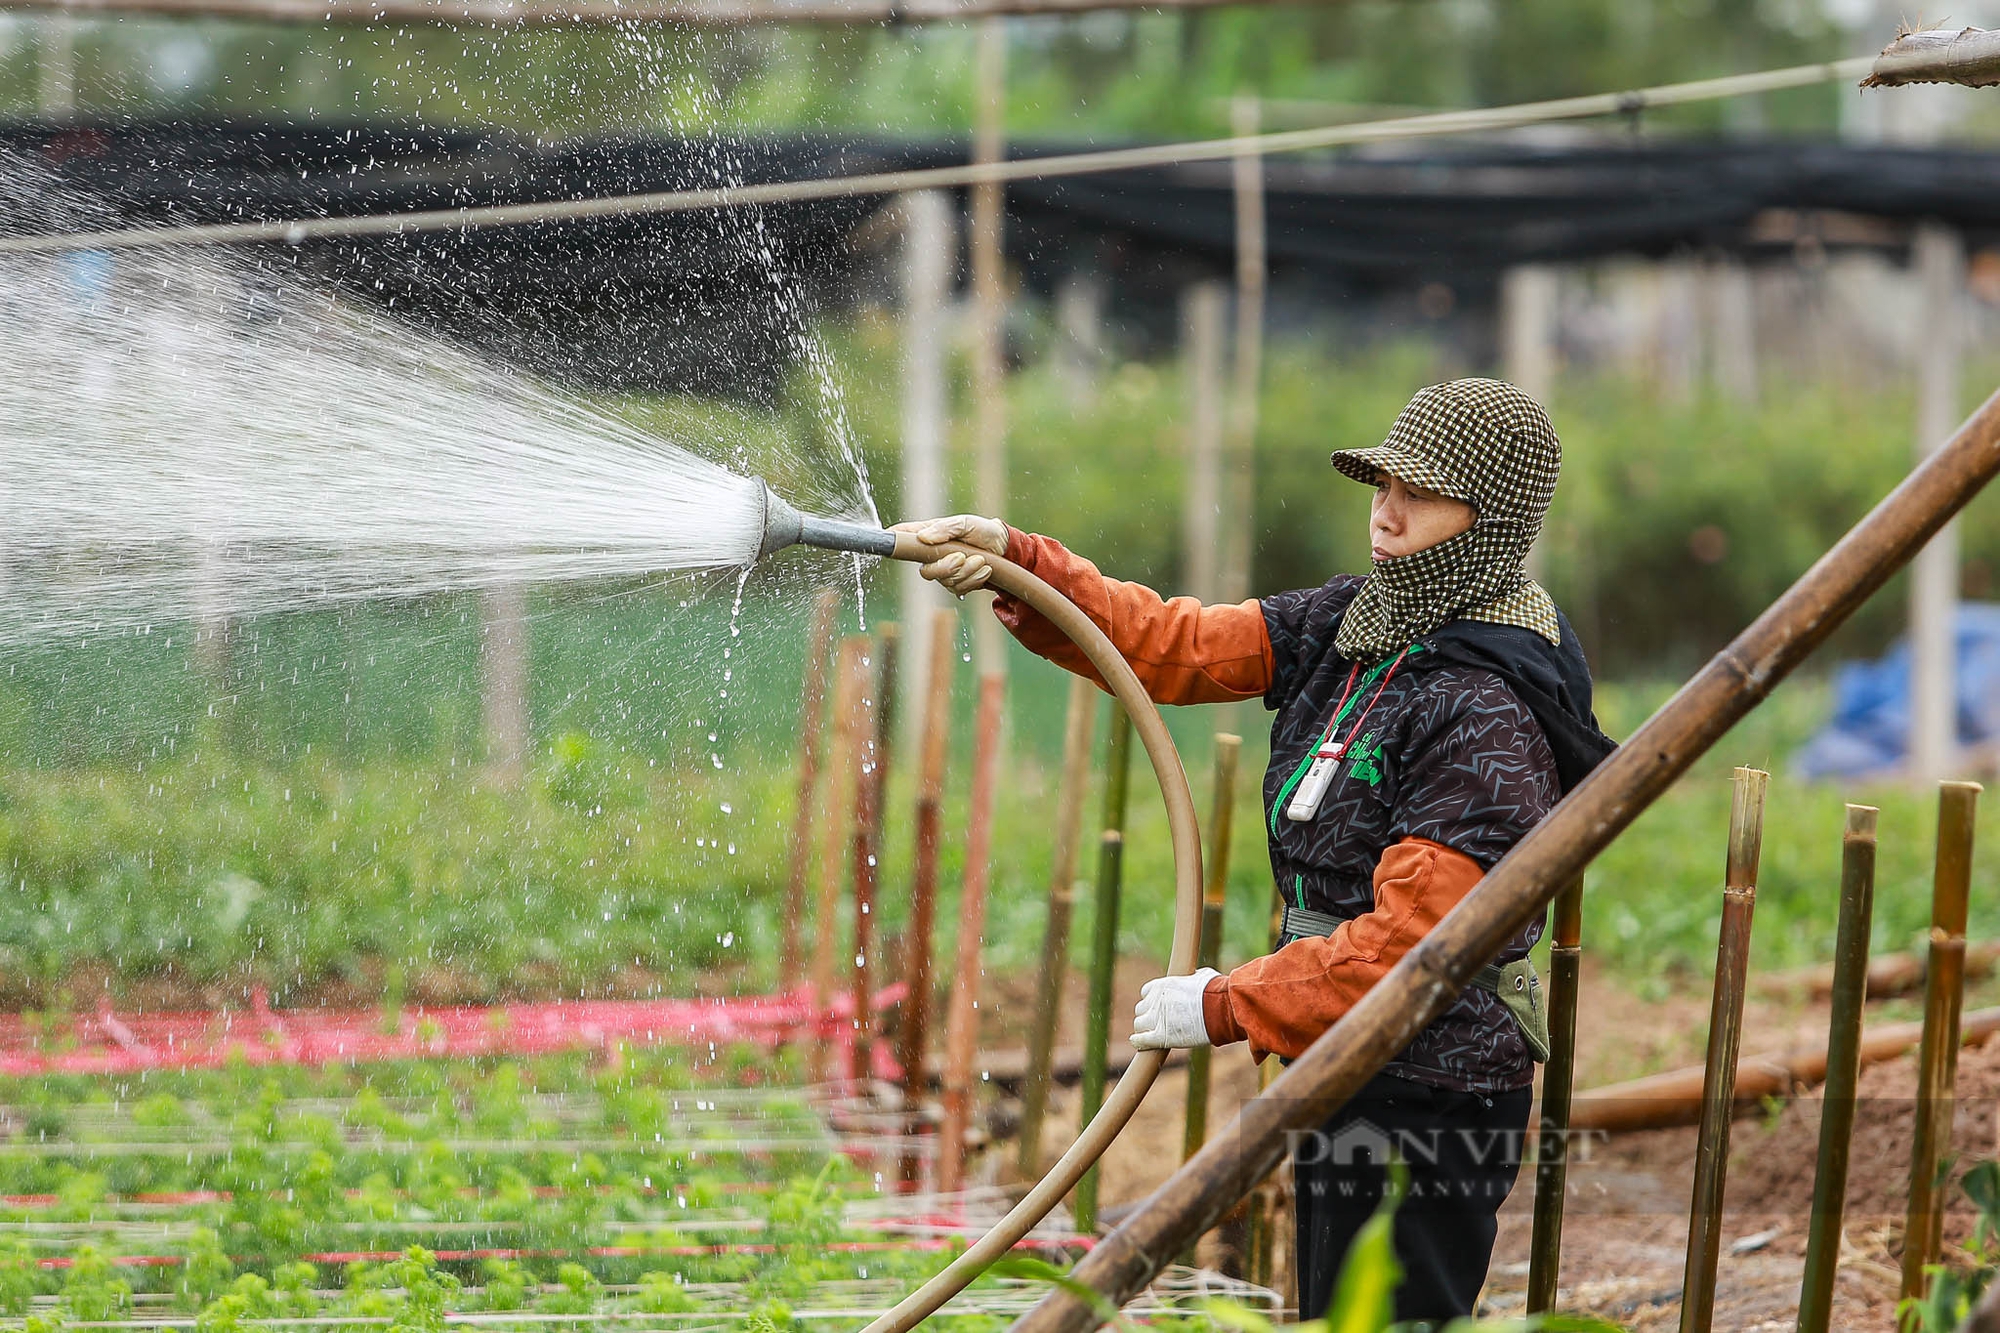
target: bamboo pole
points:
(1725, 1036)
(588, 13)
(812, 721)
(888, 673)
(1937, 1060)
(833, 828)
(962, 1020)
(1215, 892)
(1261, 1230)
(1078, 725)
(1969, 57)
(1843, 1069)
(1558, 1082)
(923, 879)
(1239, 485)
(1103, 948)
(1661, 1101)
(866, 858)
(989, 303)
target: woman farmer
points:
(1427, 716)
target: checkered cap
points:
(1481, 441)
(1489, 444)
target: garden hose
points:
(785, 526)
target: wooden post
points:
(1732, 318)
(1725, 1036)
(812, 722)
(989, 296)
(866, 858)
(1054, 971)
(929, 261)
(1528, 308)
(1103, 949)
(1843, 1069)
(962, 1021)
(847, 685)
(1937, 1058)
(504, 676)
(1240, 449)
(1939, 259)
(1202, 307)
(1080, 330)
(923, 879)
(1214, 895)
(1558, 1082)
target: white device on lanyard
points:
(1312, 790)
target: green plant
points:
(1952, 1292)
(664, 1293)
(205, 1270)
(506, 1284)
(20, 1277)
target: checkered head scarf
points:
(1489, 444)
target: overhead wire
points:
(299, 231)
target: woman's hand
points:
(1169, 1013)
(959, 571)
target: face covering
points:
(1490, 445)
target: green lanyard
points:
(1354, 698)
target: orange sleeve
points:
(1183, 652)
(1283, 1001)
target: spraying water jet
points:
(785, 526)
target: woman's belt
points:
(1515, 984)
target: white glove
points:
(959, 572)
(1168, 1014)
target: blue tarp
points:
(1869, 733)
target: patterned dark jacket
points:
(1449, 752)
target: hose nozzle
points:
(785, 526)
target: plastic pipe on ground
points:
(1937, 1061)
(1843, 1069)
(1725, 1037)
(1558, 1082)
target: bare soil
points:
(1626, 1234)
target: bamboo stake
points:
(962, 1021)
(1725, 1036)
(1260, 1240)
(1937, 1060)
(1558, 1083)
(833, 828)
(1602, 806)
(1214, 894)
(888, 669)
(988, 263)
(1080, 723)
(866, 859)
(1843, 1068)
(1103, 948)
(812, 721)
(923, 878)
